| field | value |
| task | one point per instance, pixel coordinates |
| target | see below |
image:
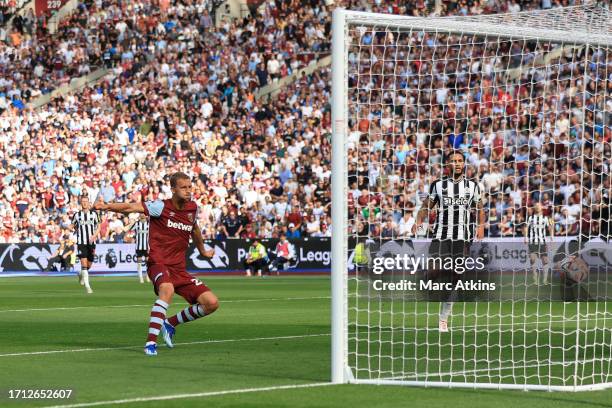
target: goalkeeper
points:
(573, 271)
(455, 198)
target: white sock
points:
(85, 273)
(139, 267)
(447, 307)
(546, 272)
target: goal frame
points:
(340, 369)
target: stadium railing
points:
(75, 84)
(274, 87)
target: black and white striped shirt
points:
(141, 230)
(85, 225)
(536, 228)
(455, 200)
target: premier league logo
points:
(111, 258)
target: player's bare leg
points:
(207, 303)
(158, 315)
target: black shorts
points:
(142, 252)
(442, 251)
(87, 251)
(449, 249)
(441, 266)
(538, 249)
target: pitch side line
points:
(180, 396)
(124, 306)
(31, 353)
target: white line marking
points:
(122, 306)
(184, 344)
(194, 395)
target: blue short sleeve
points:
(154, 208)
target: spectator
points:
(231, 225)
(293, 232)
(405, 225)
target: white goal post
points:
(527, 98)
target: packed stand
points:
(171, 123)
(544, 136)
(183, 98)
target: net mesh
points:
(532, 118)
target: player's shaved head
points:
(179, 175)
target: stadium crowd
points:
(181, 95)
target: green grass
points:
(267, 333)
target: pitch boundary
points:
(193, 395)
(148, 304)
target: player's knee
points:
(213, 307)
(210, 304)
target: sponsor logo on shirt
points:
(180, 225)
(455, 201)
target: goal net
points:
(525, 99)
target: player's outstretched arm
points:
(196, 234)
(123, 208)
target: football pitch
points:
(267, 346)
